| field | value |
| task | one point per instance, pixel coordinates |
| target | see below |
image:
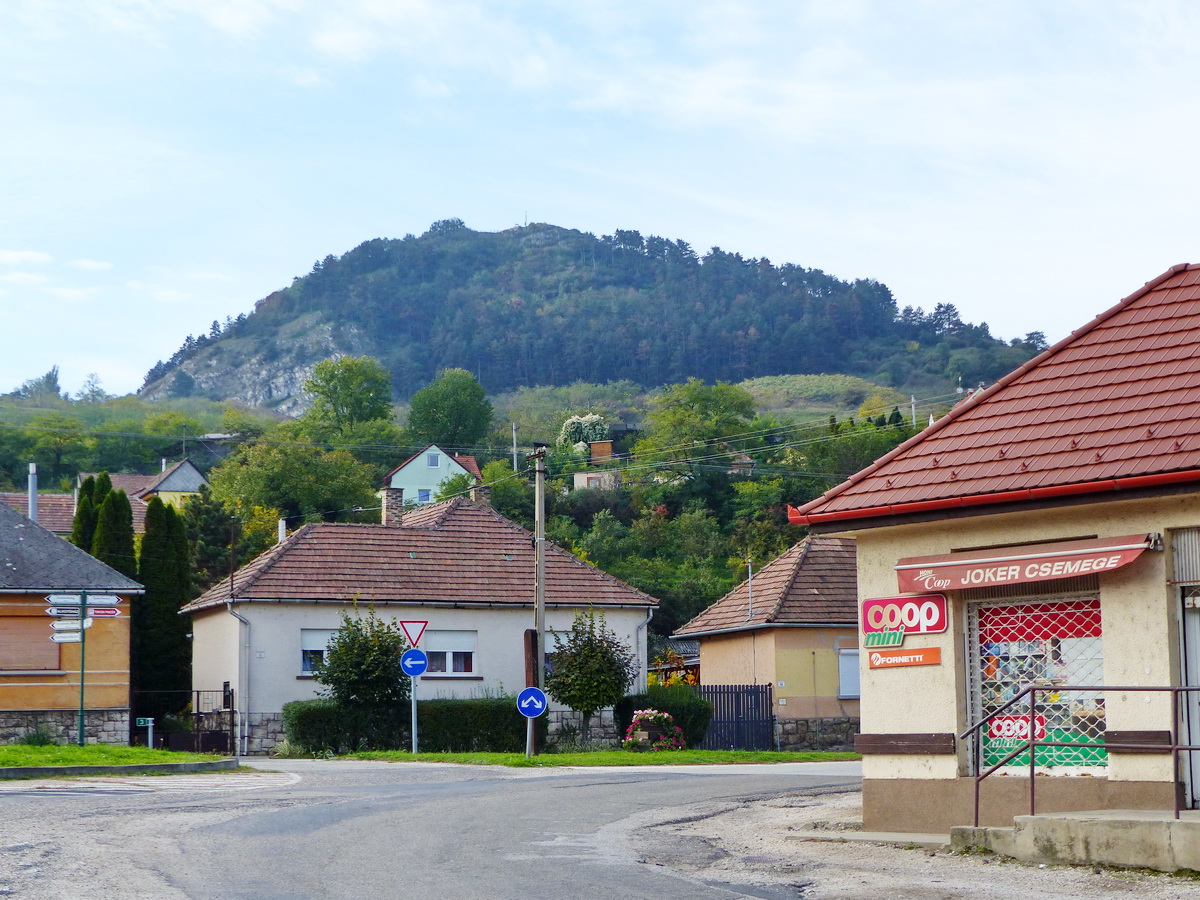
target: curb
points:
(218, 765)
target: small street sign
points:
(414, 662)
(144, 723)
(531, 702)
(413, 631)
(92, 599)
(71, 624)
(72, 612)
(67, 637)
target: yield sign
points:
(413, 631)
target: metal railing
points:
(1031, 742)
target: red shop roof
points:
(1113, 406)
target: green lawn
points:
(92, 755)
(608, 758)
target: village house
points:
(458, 566)
(793, 626)
(39, 678)
(420, 476)
(1038, 545)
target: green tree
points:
(113, 542)
(511, 496)
(455, 486)
(687, 420)
(83, 528)
(300, 482)
(58, 443)
(349, 391)
(160, 654)
(591, 667)
(583, 429)
(361, 671)
(452, 412)
(207, 522)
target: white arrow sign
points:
(70, 624)
(67, 637)
(92, 600)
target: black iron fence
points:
(199, 721)
(743, 717)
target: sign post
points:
(68, 606)
(83, 605)
(414, 662)
(531, 703)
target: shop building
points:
(1043, 538)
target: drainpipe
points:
(244, 652)
(33, 492)
(637, 637)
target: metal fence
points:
(199, 721)
(743, 717)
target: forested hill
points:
(543, 305)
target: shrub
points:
(652, 729)
(39, 737)
(690, 711)
(325, 725)
(486, 725)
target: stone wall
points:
(601, 728)
(265, 731)
(835, 733)
(101, 726)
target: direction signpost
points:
(414, 662)
(72, 629)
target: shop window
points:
(1049, 643)
(450, 652)
(313, 642)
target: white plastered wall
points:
(1139, 612)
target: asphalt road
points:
(341, 829)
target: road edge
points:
(182, 768)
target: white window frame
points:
(849, 682)
(433, 460)
(452, 654)
(313, 641)
(424, 495)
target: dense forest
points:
(543, 305)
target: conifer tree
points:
(161, 657)
(83, 528)
(113, 542)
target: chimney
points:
(33, 492)
(600, 451)
(393, 506)
(481, 493)
(281, 534)
(162, 464)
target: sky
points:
(167, 163)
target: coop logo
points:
(931, 581)
(887, 620)
(1016, 727)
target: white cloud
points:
(93, 265)
(159, 292)
(23, 278)
(23, 257)
(73, 295)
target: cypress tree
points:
(159, 646)
(113, 543)
(102, 487)
(83, 528)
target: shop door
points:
(1189, 707)
(1050, 643)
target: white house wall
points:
(418, 475)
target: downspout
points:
(637, 636)
(244, 653)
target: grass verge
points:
(608, 758)
(14, 755)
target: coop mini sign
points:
(886, 621)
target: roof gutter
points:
(431, 604)
(1136, 482)
(739, 628)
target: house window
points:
(848, 675)
(594, 481)
(433, 460)
(25, 644)
(313, 642)
(424, 496)
(450, 652)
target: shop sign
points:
(895, 659)
(1016, 728)
(886, 620)
(1017, 565)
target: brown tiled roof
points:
(55, 512)
(470, 464)
(814, 583)
(450, 552)
(1114, 406)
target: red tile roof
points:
(814, 583)
(1113, 406)
(55, 512)
(452, 552)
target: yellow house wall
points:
(106, 683)
(1140, 642)
(800, 663)
(175, 498)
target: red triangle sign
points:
(413, 631)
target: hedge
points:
(443, 726)
(690, 711)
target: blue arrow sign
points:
(531, 702)
(414, 662)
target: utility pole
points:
(539, 549)
(514, 425)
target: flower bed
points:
(653, 730)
